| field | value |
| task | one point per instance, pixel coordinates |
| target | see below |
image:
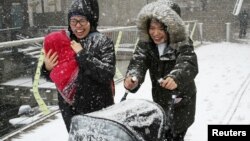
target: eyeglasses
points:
(82, 22)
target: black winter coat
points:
(96, 63)
(97, 69)
(243, 17)
(183, 69)
(178, 61)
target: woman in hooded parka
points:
(95, 57)
(166, 51)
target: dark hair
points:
(154, 20)
(162, 24)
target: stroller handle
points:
(134, 78)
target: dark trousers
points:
(243, 31)
(175, 137)
(67, 111)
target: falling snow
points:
(222, 98)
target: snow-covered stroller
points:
(130, 120)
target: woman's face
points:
(157, 32)
(80, 26)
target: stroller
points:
(130, 120)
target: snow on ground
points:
(223, 72)
(222, 98)
(54, 130)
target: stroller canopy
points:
(130, 120)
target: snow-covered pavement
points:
(223, 97)
(223, 87)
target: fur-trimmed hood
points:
(161, 11)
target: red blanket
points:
(65, 73)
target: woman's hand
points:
(168, 83)
(50, 61)
(130, 82)
(76, 46)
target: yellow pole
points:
(117, 44)
(43, 107)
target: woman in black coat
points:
(166, 51)
(96, 60)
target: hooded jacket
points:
(96, 62)
(87, 8)
(178, 61)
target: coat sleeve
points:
(138, 64)
(45, 74)
(99, 65)
(186, 67)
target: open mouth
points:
(79, 31)
(157, 39)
